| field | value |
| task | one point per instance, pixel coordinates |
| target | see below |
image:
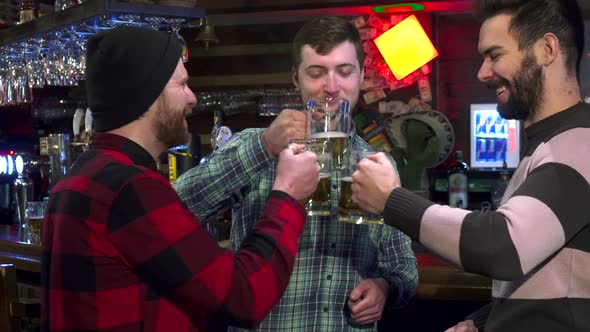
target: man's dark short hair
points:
(532, 19)
(325, 33)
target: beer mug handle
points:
(344, 107)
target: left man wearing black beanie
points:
(120, 250)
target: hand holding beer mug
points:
(329, 120)
(297, 172)
(349, 211)
(319, 203)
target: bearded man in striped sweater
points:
(536, 245)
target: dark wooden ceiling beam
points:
(236, 5)
(248, 5)
(222, 13)
(240, 80)
(240, 50)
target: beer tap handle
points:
(88, 121)
(88, 125)
(77, 122)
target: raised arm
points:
(187, 267)
(534, 222)
(211, 189)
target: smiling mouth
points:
(500, 90)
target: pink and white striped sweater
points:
(536, 246)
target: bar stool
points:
(15, 312)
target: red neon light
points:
(400, 9)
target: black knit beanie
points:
(126, 70)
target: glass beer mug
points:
(34, 219)
(329, 120)
(320, 203)
(349, 211)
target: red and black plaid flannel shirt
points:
(122, 253)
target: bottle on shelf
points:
(183, 158)
(28, 10)
(458, 182)
(500, 186)
(217, 123)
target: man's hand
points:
(298, 174)
(465, 326)
(367, 299)
(373, 181)
(289, 124)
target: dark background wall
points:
(251, 56)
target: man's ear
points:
(295, 77)
(362, 74)
(549, 49)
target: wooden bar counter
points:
(24, 256)
(438, 279)
(445, 294)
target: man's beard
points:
(526, 93)
(169, 126)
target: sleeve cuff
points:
(394, 294)
(289, 199)
(480, 316)
(258, 146)
(404, 211)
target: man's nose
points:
(332, 85)
(192, 99)
(485, 72)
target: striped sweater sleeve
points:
(542, 215)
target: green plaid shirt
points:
(332, 258)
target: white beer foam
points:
(330, 134)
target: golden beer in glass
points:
(329, 119)
(349, 211)
(34, 215)
(319, 202)
(338, 141)
(35, 224)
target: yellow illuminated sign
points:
(406, 47)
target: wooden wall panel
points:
(459, 70)
(458, 64)
(457, 36)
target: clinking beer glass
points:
(349, 211)
(329, 120)
(320, 203)
(34, 218)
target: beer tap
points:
(88, 126)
